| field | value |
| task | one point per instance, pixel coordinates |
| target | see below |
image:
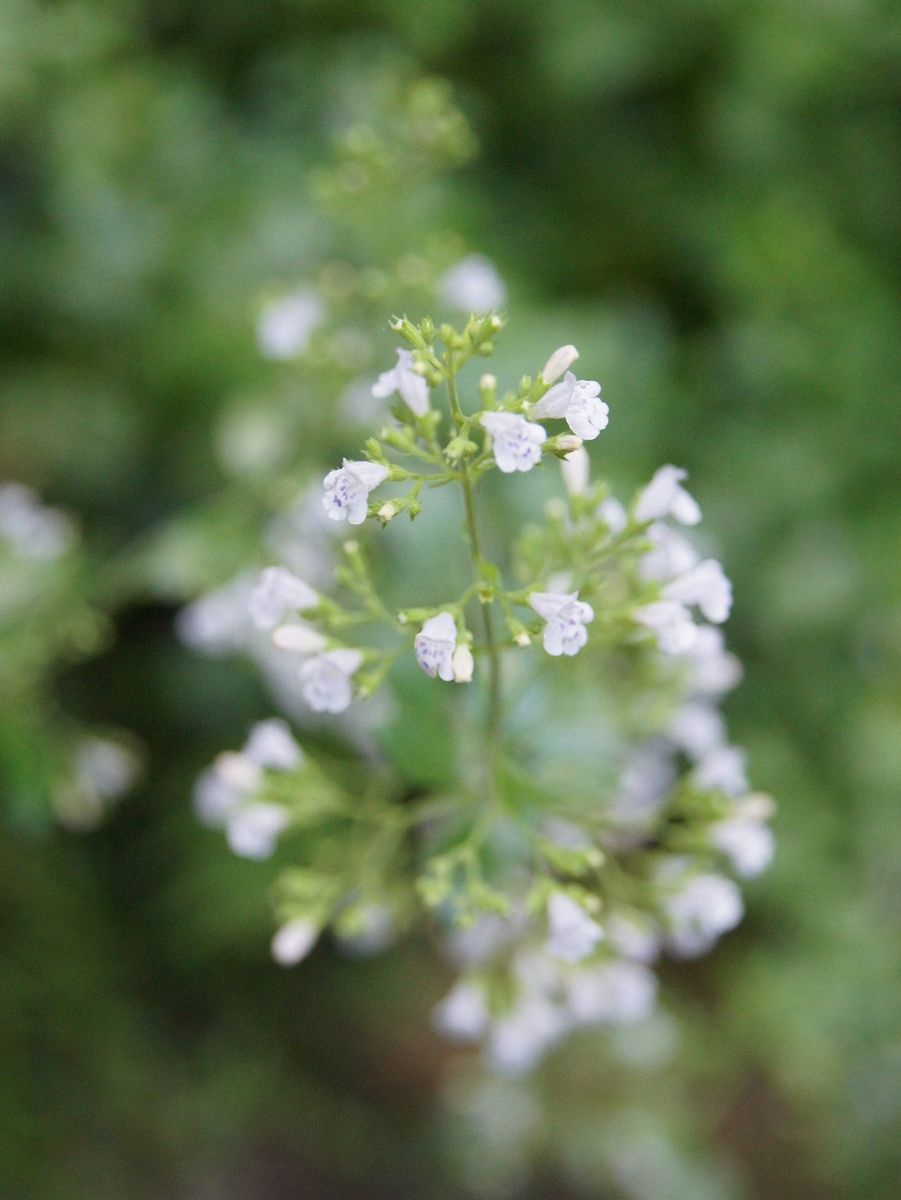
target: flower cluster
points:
(593, 819)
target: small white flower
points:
(665, 497)
(32, 529)
(347, 490)
(621, 993)
(298, 638)
(745, 841)
(435, 644)
(105, 767)
(702, 908)
(670, 555)
(271, 745)
(613, 515)
(518, 1041)
(561, 360)
(325, 679)
(294, 941)
(670, 622)
(253, 830)
(276, 593)
(576, 470)
(697, 729)
(474, 285)
(286, 325)
(463, 1013)
(463, 664)
(578, 402)
(573, 934)
(723, 770)
(517, 442)
(566, 616)
(713, 669)
(705, 586)
(411, 386)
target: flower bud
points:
(462, 664)
(301, 639)
(575, 468)
(294, 941)
(568, 442)
(388, 512)
(559, 362)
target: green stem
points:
(493, 724)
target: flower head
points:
(578, 402)
(253, 830)
(566, 616)
(278, 592)
(665, 497)
(517, 442)
(271, 745)
(325, 679)
(347, 490)
(402, 378)
(435, 645)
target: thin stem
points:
(494, 686)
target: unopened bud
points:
(523, 638)
(559, 362)
(388, 512)
(301, 639)
(462, 664)
(576, 468)
(567, 442)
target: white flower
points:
(463, 1013)
(697, 729)
(578, 402)
(474, 285)
(294, 941)
(347, 490)
(664, 497)
(276, 593)
(272, 745)
(670, 555)
(702, 908)
(517, 442)
(33, 530)
(566, 616)
(613, 514)
(670, 622)
(435, 644)
(722, 770)
(412, 387)
(561, 360)
(463, 664)
(622, 993)
(286, 325)
(518, 1040)
(325, 679)
(705, 586)
(746, 842)
(573, 934)
(253, 830)
(713, 669)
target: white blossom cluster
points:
(572, 884)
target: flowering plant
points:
(588, 810)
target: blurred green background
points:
(703, 196)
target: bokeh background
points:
(704, 197)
